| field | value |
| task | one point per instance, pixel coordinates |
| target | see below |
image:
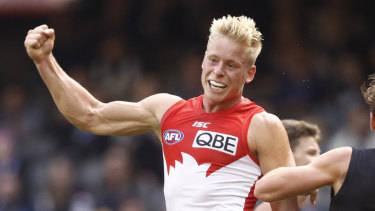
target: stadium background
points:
(315, 56)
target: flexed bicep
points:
(121, 118)
(128, 118)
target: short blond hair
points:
(241, 29)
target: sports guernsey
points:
(207, 161)
(357, 193)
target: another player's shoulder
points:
(337, 154)
(334, 164)
(335, 161)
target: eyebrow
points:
(226, 60)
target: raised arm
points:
(268, 140)
(329, 169)
(81, 108)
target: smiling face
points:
(225, 70)
(306, 150)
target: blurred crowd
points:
(316, 54)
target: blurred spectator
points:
(12, 196)
(354, 130)
(132, 204)
(145, 85)
(115, 68)
(12, 192)
(9, 161)
(118, 178)
(60, 192)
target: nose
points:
(219, 69)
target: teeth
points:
(214, 83)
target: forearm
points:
(267, 188)
(285, 182)
(73, 100)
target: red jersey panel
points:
(207, 162)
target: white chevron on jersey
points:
(188, 189)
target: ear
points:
(372, 121)
(250, 74)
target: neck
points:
(210, 106)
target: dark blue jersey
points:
(357, 193)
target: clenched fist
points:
(39, 43)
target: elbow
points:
(257, 193)
(264, 193)
(266, 197)
(260, 193)
(85, 122)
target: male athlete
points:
(349, 171)
(215, 146)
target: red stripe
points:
(251, 200)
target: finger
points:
(313, 197)
(35, 40)
(42, 30)
(41, 27)
(48, 32)
(39, 38)
(38, 30)
(32, 43)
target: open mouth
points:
(216, 85)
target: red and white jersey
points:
(207, 161)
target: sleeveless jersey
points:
(358, 190)
(207, 161)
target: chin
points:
(215, 97)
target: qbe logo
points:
(217, 141)
(172, 136)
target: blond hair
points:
(368, 92)
(241, 29)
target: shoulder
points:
(164, 96)
(335, 156)
(160, 103)
(268, 141)
(335, 163)
(264, 122)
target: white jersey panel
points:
(187, 188)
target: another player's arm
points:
(84, 110)
(269, 142)
(328, 169)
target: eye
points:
(313, 152)
(213, 59)
(233, 64)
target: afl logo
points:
(172, 136)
